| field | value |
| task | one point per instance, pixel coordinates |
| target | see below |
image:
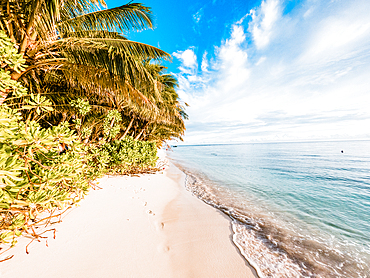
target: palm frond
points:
(118, 57)
(95, 34)
(102, 82)
(128, 17)
(115, 55)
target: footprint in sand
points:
(163, 248)
(150, 212)
(159, 226)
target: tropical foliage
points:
(124, 156)
(78, 100)
(34, 176)
(75, 49)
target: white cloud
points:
(204, 65)
(339, 32)
(335, 34)
(198, 15)
(309, 83)
(263, 22)
(232, 60)
(308, 12)
(188, 59)
(261, 60)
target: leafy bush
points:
(124, 156)
(10, 60)
(82, 106)
(111, 125)
(34, 176)
(9, 54)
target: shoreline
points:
(207, 233)
(147, 226)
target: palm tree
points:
(173, 125)
(168, 120)
(78, 45)
(74, 48)
(164, 122)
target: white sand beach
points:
(147, 226)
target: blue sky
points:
(267, 71)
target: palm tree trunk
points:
(30, 24)
(128, 128)
(10, 26)
(27, 35)
(153, 129)
(142, 131)
(138, 136)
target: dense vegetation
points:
(77, 100)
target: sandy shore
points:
(147, 226)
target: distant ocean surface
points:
(297, 209)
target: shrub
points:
(34, 176)
(124, 156)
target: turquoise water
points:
(297, 209)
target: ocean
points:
(296, 209)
